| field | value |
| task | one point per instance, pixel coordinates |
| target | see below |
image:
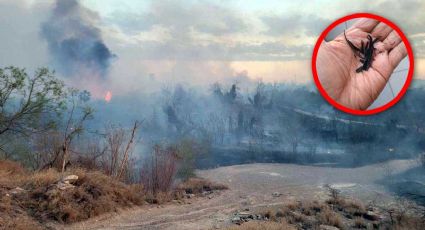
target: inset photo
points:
(362, 64)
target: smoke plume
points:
(74, 41)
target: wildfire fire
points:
(108, 96)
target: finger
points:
(382, 31)
(392, 40)
(380, 47)
(397, 54)
(365, 24)
(382, 65)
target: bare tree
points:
(126, 153)
(77, 112)
(216, 124)
(120, 147)
(74, 126)
(90, 155)
(115, 139)
(158, 172)
(46, 149)
(292, 132)
(259, 99)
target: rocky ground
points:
(252, 186)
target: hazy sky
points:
(201, 42)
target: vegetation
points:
(199, 185)
(279, 123)
(24, 99)
(312, 215)
(48, 128)
(44, 126)
(341, 213)
(30, 198)
(261, 225)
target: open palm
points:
(337, 64)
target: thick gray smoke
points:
(74, 41)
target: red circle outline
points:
(379, 109)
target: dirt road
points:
(252, 185)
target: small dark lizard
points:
(365, 52)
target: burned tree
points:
(259, 98)
(231, 95)
(172, 118)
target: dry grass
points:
(360, 223)
(351, 207)
(10, 174)
(305, 215)
(39, 179)
(329, 217)
(162, 197)
(11, 167)
(403, 221)
(198, 185)
(258, 225)
(341, 213)
(12, 216)
(94, 193)
(309, 208)
(19, 222)
(191, 186)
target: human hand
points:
(336, 64)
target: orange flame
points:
(108, 96)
